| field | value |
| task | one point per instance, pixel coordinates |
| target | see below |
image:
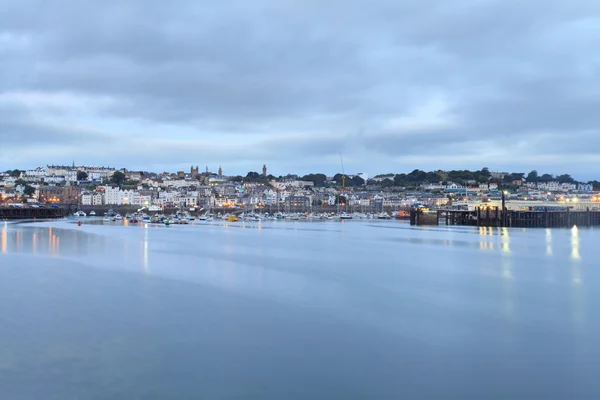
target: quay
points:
(496, 217)
(30, 213)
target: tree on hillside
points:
(387, 182)
(118, 178)
(317, 179)
(15, 173)
(252, 176)
(565, 178)
(533, 176)
(515, 176)
(358, 181)
(546, 178)
(433, 177)
(343, 180)
(416, 176)
(29, 190)
(82, 175)
(399, 180)
(20, 182)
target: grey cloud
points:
(282, 73)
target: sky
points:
(391, 85)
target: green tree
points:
(82, 175)
(387, 182)
(29, 190)
(546, 178)
(565, 178)
(317, 179)
(433, 177)
(358, 181)
(118, 178)
(399, 180)
(254, 177)
(20, 182)
(15, 173)
(343, 180)
(533, 176)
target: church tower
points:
(264, 169)
(220, 172)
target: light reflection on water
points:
(4, 239)
(549, 241)
(575, 243)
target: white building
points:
(270, 197)
(114, 195)
(38, 172)
(71, 176)
(585, 187)
(86, 198)
(187, 201)
(166, 197)
(54, 179)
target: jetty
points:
(30, 213)
(497, 217)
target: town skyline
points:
(259, 169)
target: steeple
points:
(220, 172)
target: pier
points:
(30, 213)
(496, 217)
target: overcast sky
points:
(394, 85)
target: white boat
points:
(106, 218)
(118, 217)
(252, 217)
(383, 215)
(345, 216)
(80, 214)
(92, 213)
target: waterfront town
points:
(100, 186)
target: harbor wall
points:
(30, 213)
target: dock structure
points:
(30, 213)
(496, 217)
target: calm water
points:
(298, 310)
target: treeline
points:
(418, 177)
(465, 177)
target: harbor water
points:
(284, 310)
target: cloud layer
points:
(393, 85)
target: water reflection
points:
(34, 243)
(575, 256)
(575, 243)
(505, 241)
(4, 240)
(548, 241)
(145, 250)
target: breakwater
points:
(30, 213)
(496, 217)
